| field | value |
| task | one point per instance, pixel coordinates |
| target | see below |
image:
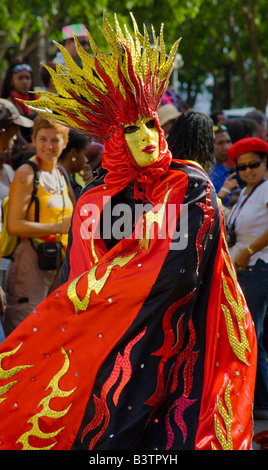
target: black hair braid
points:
(191, 138)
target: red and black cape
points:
(147, 345)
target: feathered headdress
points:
(109, 90)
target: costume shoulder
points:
(98, 180)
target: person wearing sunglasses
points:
(68, 32)
(248, 224)
(223, 179)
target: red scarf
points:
(15, 96)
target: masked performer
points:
(149, 343)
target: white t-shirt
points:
(4, 188)
(250, 221)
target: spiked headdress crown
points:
(109, 89)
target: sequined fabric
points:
(148, 345)
(124, 356)
(110, 89)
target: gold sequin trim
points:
(226, 412)
(150, 218)
(94, 284)
(8, 373)
(46, 411)
(235, 310)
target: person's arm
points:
(19, 200)
(228, 186)
(2, 301)
(242, 260)
(72, 195)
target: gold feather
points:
(87, 83)
(70, 63)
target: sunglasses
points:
(221, 127)
(20, 67)
(82, 41)
(250, 165)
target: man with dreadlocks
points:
(149, 343)
(192, 138)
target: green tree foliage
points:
(226, 40)
(24, 23)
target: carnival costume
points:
(149, 344)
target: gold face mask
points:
(142, 139)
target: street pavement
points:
(259, 426)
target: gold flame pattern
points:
(47, 411)
(239, 346)
(234, 312)
(153, 217)
(226, 413)
(8, 373)
(94, 283)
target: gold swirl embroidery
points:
(239, 346)
(46, 411)
(93, 251)
(98, 284)
(151, 217)
(94, 283)
(227, 416)
(8, 373)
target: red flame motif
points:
(207, 226)
(170, 349)
(179, 406)
(187, 356)
(122, 363)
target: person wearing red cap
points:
(248, 241)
